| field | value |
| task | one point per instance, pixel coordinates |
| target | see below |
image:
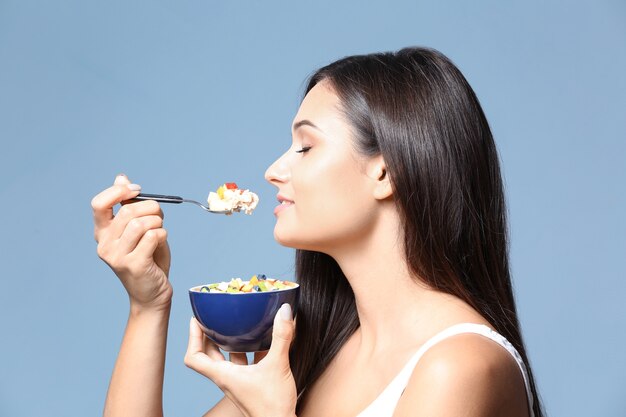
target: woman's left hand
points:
(265, 388)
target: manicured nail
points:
(134, 187)
(285, 312)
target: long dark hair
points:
(415, 108)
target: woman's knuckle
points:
(97, 204)
(188, 361)
(113, 259)
(135, 225)
(102, 251)
(122, 212)
(126, 211)
(121, 265)
(153, 206)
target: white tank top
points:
(385, 404)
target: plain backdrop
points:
(173, 92)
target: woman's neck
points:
(394, 307)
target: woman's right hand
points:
(133, 243)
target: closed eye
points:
(304, 149)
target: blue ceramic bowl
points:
(240, 322)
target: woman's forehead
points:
(321, 106)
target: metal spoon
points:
(174, 199)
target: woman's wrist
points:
(159, 305)
(140, 311)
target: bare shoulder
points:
(466, 375)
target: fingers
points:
(282, 334)
(128, 212)
(238, 358)
(121, 179)
(212, 351)
(258, 356)
(103, 203)
(136, 230)
(196, 359)
(208, 347)
(196, 337)
(149, 243)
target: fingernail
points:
(134, 187)
(285, 312)
(121, 174)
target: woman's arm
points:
(465, 375)
(134, 244)
(136, 387)
(224, 408)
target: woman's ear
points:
(377, 172)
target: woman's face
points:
(324, 192)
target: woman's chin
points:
(294, 241)
(287, 241)
(283, 239)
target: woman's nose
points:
(278, 172)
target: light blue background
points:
(170, 92)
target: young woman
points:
(392, 195)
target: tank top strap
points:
(385, 403)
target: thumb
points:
(282, 333)
(121, 179)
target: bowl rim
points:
(194, 289)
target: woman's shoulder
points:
(465, 374)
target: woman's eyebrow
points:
(305, 122)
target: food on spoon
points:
(258, 283)
(230, 198)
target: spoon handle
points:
(174, 199)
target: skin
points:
(466, 375)
(134, 244)
(361, 233)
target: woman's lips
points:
(284, 204)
